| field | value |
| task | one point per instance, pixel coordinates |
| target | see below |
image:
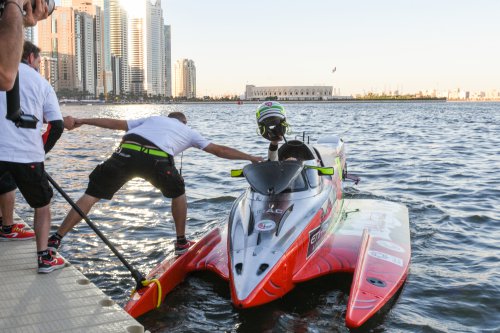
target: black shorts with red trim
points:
(125, 164)
(31, 180)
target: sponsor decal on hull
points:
(317, 234)
(265, 226)
(390, 246)
(315, 237)
(386, 257)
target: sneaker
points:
(20, 231)
(53, 243)
(48, 265)
(182, 248)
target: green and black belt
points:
(144, 149)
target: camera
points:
(51, 4)
(25, 120)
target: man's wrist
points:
(273, 146)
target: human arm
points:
(230, 153)
(109, 123)
(11, 43)
(12, 36)
(54, 131)
(272, 153)
(69, 122)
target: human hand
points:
(78, 122)
(69, 123)
(256, 159)
(41, 12)
(275, 142)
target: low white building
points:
(289, 93)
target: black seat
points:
(295, 149)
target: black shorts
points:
(7, 183)
(125, 164)
(31, 180)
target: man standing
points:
(147, 151)
(23, 154)
(9, 230)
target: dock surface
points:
(62, 301)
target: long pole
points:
(138, 277)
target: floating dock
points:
(62, 301)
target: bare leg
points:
(85, 203)
(179, 213)
(42, 227)
(7, 201)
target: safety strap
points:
(146, 283)
(150, 151)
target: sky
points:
(374, 45)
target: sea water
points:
(442, 160)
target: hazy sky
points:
(375, 45)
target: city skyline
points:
(375, 46)
(96, 49)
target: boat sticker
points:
(315, 237)
(380, 225)
(265, 226)
(390, 246)
(386, 257)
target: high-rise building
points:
(72, 38)
(29, 34)
(106, 52)
(136, 55)
(118, 38)
(168, 61)
(92, 47)
(99, 68)
(48, 69)
(154, 76)
(85, 56)
(56, 38)
(185, 79)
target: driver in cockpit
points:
(271, 120)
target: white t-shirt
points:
(25, 145)
(168, 134)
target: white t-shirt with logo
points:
(25, 145)
(168, 134)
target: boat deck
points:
(62, 301)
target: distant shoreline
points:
(344, 100)
(242, 102)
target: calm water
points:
(442, 160)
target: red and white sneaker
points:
(20, 231)
(182, 248)
(47, 265)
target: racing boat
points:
(292, 225)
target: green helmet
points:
(271, 119)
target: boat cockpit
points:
(288, 174)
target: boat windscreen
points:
(272, 177)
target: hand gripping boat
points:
(292, 225)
